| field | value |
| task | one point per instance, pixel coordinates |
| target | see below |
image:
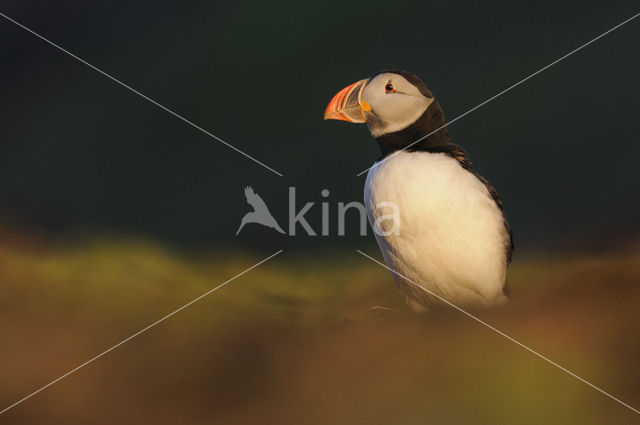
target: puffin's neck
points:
(431, 120)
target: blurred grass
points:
(292, 342)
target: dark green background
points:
(79, 153)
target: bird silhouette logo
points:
(260, 213)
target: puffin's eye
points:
(389, 88)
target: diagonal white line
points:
(503, 92)
(139, 332)
(500, 333)
(197, 127)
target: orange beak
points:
(347, 104)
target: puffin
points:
(452, 237)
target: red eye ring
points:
(389, 88)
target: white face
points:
(395, 103)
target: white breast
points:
(451, 237)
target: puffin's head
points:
(389, 101)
